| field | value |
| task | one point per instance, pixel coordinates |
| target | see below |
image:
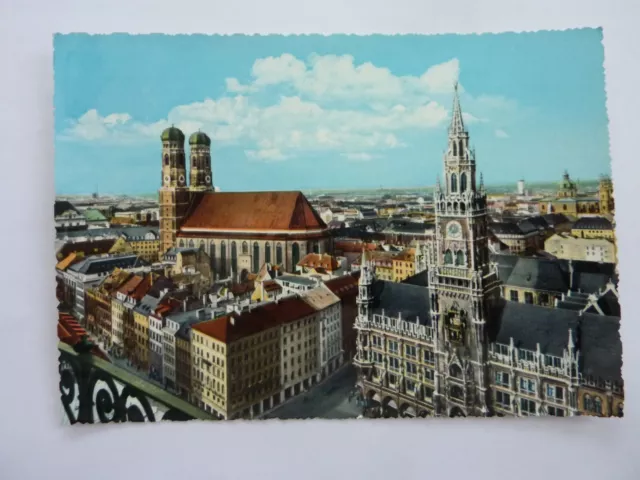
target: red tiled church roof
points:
(267, 211)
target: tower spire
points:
(457, 125)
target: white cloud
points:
(268, 154)
(501, 134)
(234, 86)
(358, 157)
(441, 78)
(325, 103)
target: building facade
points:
(450, 345)
(239, 231)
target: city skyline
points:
(274, 110)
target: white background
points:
(33, 445)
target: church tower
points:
(173, 194)
(200, 177)
(605, 194)
(463, 285)
(365, 286)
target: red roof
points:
(71, 333)
(319, 261)
(267, 211)
(354, 247)
(233, 327)
(346, 285)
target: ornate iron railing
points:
(94, 390)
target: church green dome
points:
(200, 138)
(172, 134)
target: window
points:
(295, 254)
(555, 411)
(412, 369)
(234, 258)
(551, 361)
(463, 181)
(448, 258)
(393, 347)
(526, 355)
(267, 253)
(410, 350)
(543, 298)
(527, 386)
(597, 406)
(527, 406)
(503, 399)
(501, 349)
(459, 258)
(394, 363)
(555, 392)
(455, 371)
(376, 357)
(528, 297)
(454, 183)
(514, 296)
(411, 386)
(279, 254)
(245, 248)
(256, 257)
(502, 378)
(457, 392)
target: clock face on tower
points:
(166, 179)
(207, 179)
(181, 179)
(454, 230)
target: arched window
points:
(316, 248)
(597, 405)
(223, 259)
(463, 182)
(462, 207)
(181, 244)
(461, 148)
(245, 248)
(234, 258)
(278, 254)
(448, 257)
(295, 254)
(587, 404)
(256, 257)
(455, 149)
(454, 183)
(191, 244)
(456, 392)
(212, 256)
(166, 159)
(455, 371)
(455, 207)
(267, 253)
(202, 245)
(459, 258)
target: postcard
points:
(336, 227)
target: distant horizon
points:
(488, 186)
(306, 111)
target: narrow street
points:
(327, 400)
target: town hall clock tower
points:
(463, 285)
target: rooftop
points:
(266, 211)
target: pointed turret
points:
(457, 125)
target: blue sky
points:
(314, 112)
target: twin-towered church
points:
(239, 230)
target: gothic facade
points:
(448, 344)
(240, 231)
